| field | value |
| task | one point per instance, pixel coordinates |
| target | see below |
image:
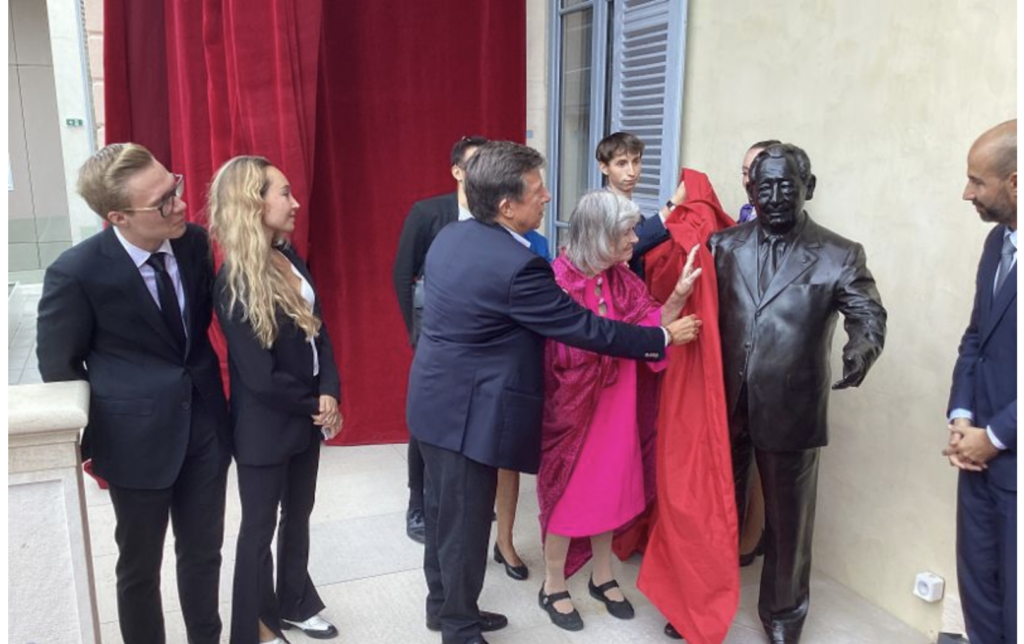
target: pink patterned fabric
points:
(574, 382)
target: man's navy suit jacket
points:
(985, 377)
(476, 386)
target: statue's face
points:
(778, 194)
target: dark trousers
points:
(415, 475)
(986, 558)
(458, 502)
(195, 507)
(262, 489)
(790, 484)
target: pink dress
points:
(606, 488)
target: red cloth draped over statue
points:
(689, 569)
(358, 103)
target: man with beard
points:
(782, 283)
(983, 402)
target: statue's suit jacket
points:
(779, 344)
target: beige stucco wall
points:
(886, 97)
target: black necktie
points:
(774, 247)
(1005, 263)
(169, 309)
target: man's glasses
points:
(166, 205)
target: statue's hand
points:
(855, 368)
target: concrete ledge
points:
(51, 586)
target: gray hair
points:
(495, 173)
(597, 225)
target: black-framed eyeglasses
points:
(166, 205)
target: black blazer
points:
(779, 344)
(985, 377)
(98, 322)
(274, 394)
(477, 384)
(424, 221)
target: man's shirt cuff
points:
(995, 441)
(960, 412)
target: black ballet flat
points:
(672, 633)
(519, 573)
(620, 609)
(566, 621)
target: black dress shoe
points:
(747, 559)
(671, 631)
(489, 622)
(568, 621)
(621, 609)
(519, 573)
(415, 526)
(779, 632)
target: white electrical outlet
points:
(929, 587)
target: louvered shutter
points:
(647, 89)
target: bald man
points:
(983, 402)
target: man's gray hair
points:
(597, 225)
(496, 172)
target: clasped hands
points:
(686, 329)
(329, 418)
(969, 447)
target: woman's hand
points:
(682, 290)
(329, 417)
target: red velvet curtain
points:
(357, 102)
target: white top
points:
(310, 297)
(139, 257)
(464, 214)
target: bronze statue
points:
(782, 282)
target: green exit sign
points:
(74, 122)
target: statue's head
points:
(780, 183)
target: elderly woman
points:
(591, 478)
(284, 397)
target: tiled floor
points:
(369, 573)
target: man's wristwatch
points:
(669, 205)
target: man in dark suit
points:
(476, 385)
(128, 310)
(983, 402)
(426, 218)
(782, 282)
(620, 158)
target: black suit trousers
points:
(790, 484)
(458, 502)
(986, 531)
(415, 475)
(262, 490)
(194, 504)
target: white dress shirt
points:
(310, 297)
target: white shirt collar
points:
(464, 214)
(1012, 234)
(138, 255)
(519, 238)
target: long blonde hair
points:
(254, 282)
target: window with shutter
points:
(615, 65)
(649, 45)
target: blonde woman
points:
(284, 397)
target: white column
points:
(51, 593)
